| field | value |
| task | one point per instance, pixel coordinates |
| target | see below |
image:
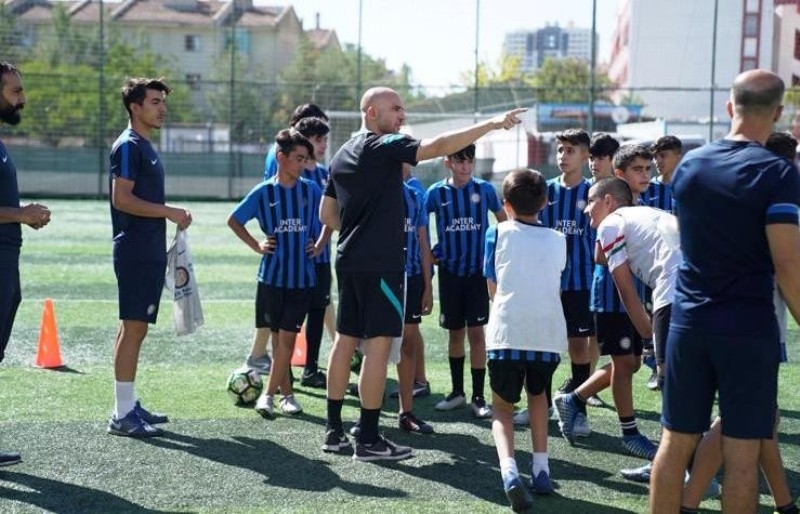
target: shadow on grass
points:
(295, 472)
(63, 498)
(65, 369)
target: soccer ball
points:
(244, 386)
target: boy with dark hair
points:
(602, 148)
(667, 153)
(308, 110)
(632, 164)
(567, 196)
(461, 204)
(138, 214)
(527, 330)
(286, 208)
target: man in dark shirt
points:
(364, 200)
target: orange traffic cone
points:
(299, 354)
(49, 353)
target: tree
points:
(567, 81)
(10, 36)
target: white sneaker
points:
(480, 410)
(265, 405)
(521, 418)
(581, 427)
(452, 401)
(289, 405)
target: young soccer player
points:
(138, 219)
(419, 302)
(286, 208)
(462, 204)
(527, 329)
(667, 153)
(567, 196)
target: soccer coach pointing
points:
(364, 200)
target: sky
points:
(437, 37)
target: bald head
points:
(375, 95)
(757, 92)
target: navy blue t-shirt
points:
(728, 192)
(135, 237)
(10, 233)
(366, 178)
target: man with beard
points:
(12, 215)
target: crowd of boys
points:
(613, 272)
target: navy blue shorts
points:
(743, 369)
(616, 334)
(511, 370)
(415, 287)
(10, 297)
(370, 304)
(462, 300)
(321, 294)
(281, 308)
(575, 305)
(139, 286)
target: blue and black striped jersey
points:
(319, 176)
(462, 217)
(416, 217)
(658, 195)
(564, 212)
(291, 215)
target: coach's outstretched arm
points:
(450, 142)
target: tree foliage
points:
(568, 81)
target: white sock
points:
(540, 463)
(508, 469)
(124, 399)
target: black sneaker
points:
(352, 390)
(336, 442)
(382, 449)
(652, 382)
(567, 387)
(316, 380)
(420, 389)
(410, 423)
(9, 458)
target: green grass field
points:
(219, 458)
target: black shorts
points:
(616, 334)
(321, 294)
(661, 319)
(139, 286)
(462, 300)
(10, 297)
(370, 304)
(415, 286)
(507, 377)
(281, 308)
(576, 311)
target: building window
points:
(749, 64)
(797, 44)
(191, 43)
(751, 25)
(752, 6)
(193, 80)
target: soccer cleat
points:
(336, 442)
(289, 405)
(479, 408)
(355, 430)
(714, 490)
(518, 495)
(451, 401)
(316, 380)
(352, 390)
(568, 386)
(581, 428)
(152, 418)
(262, 364)
(382, 449)
(521, 418)
(132, 426)
(265, 405)
(595, 401)
(541, 484)
(420, 389)
(410, 423)
(567, 413)
(10, 458)
(639, 446)
(640, 474)
(652, 382)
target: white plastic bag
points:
(187, 312)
